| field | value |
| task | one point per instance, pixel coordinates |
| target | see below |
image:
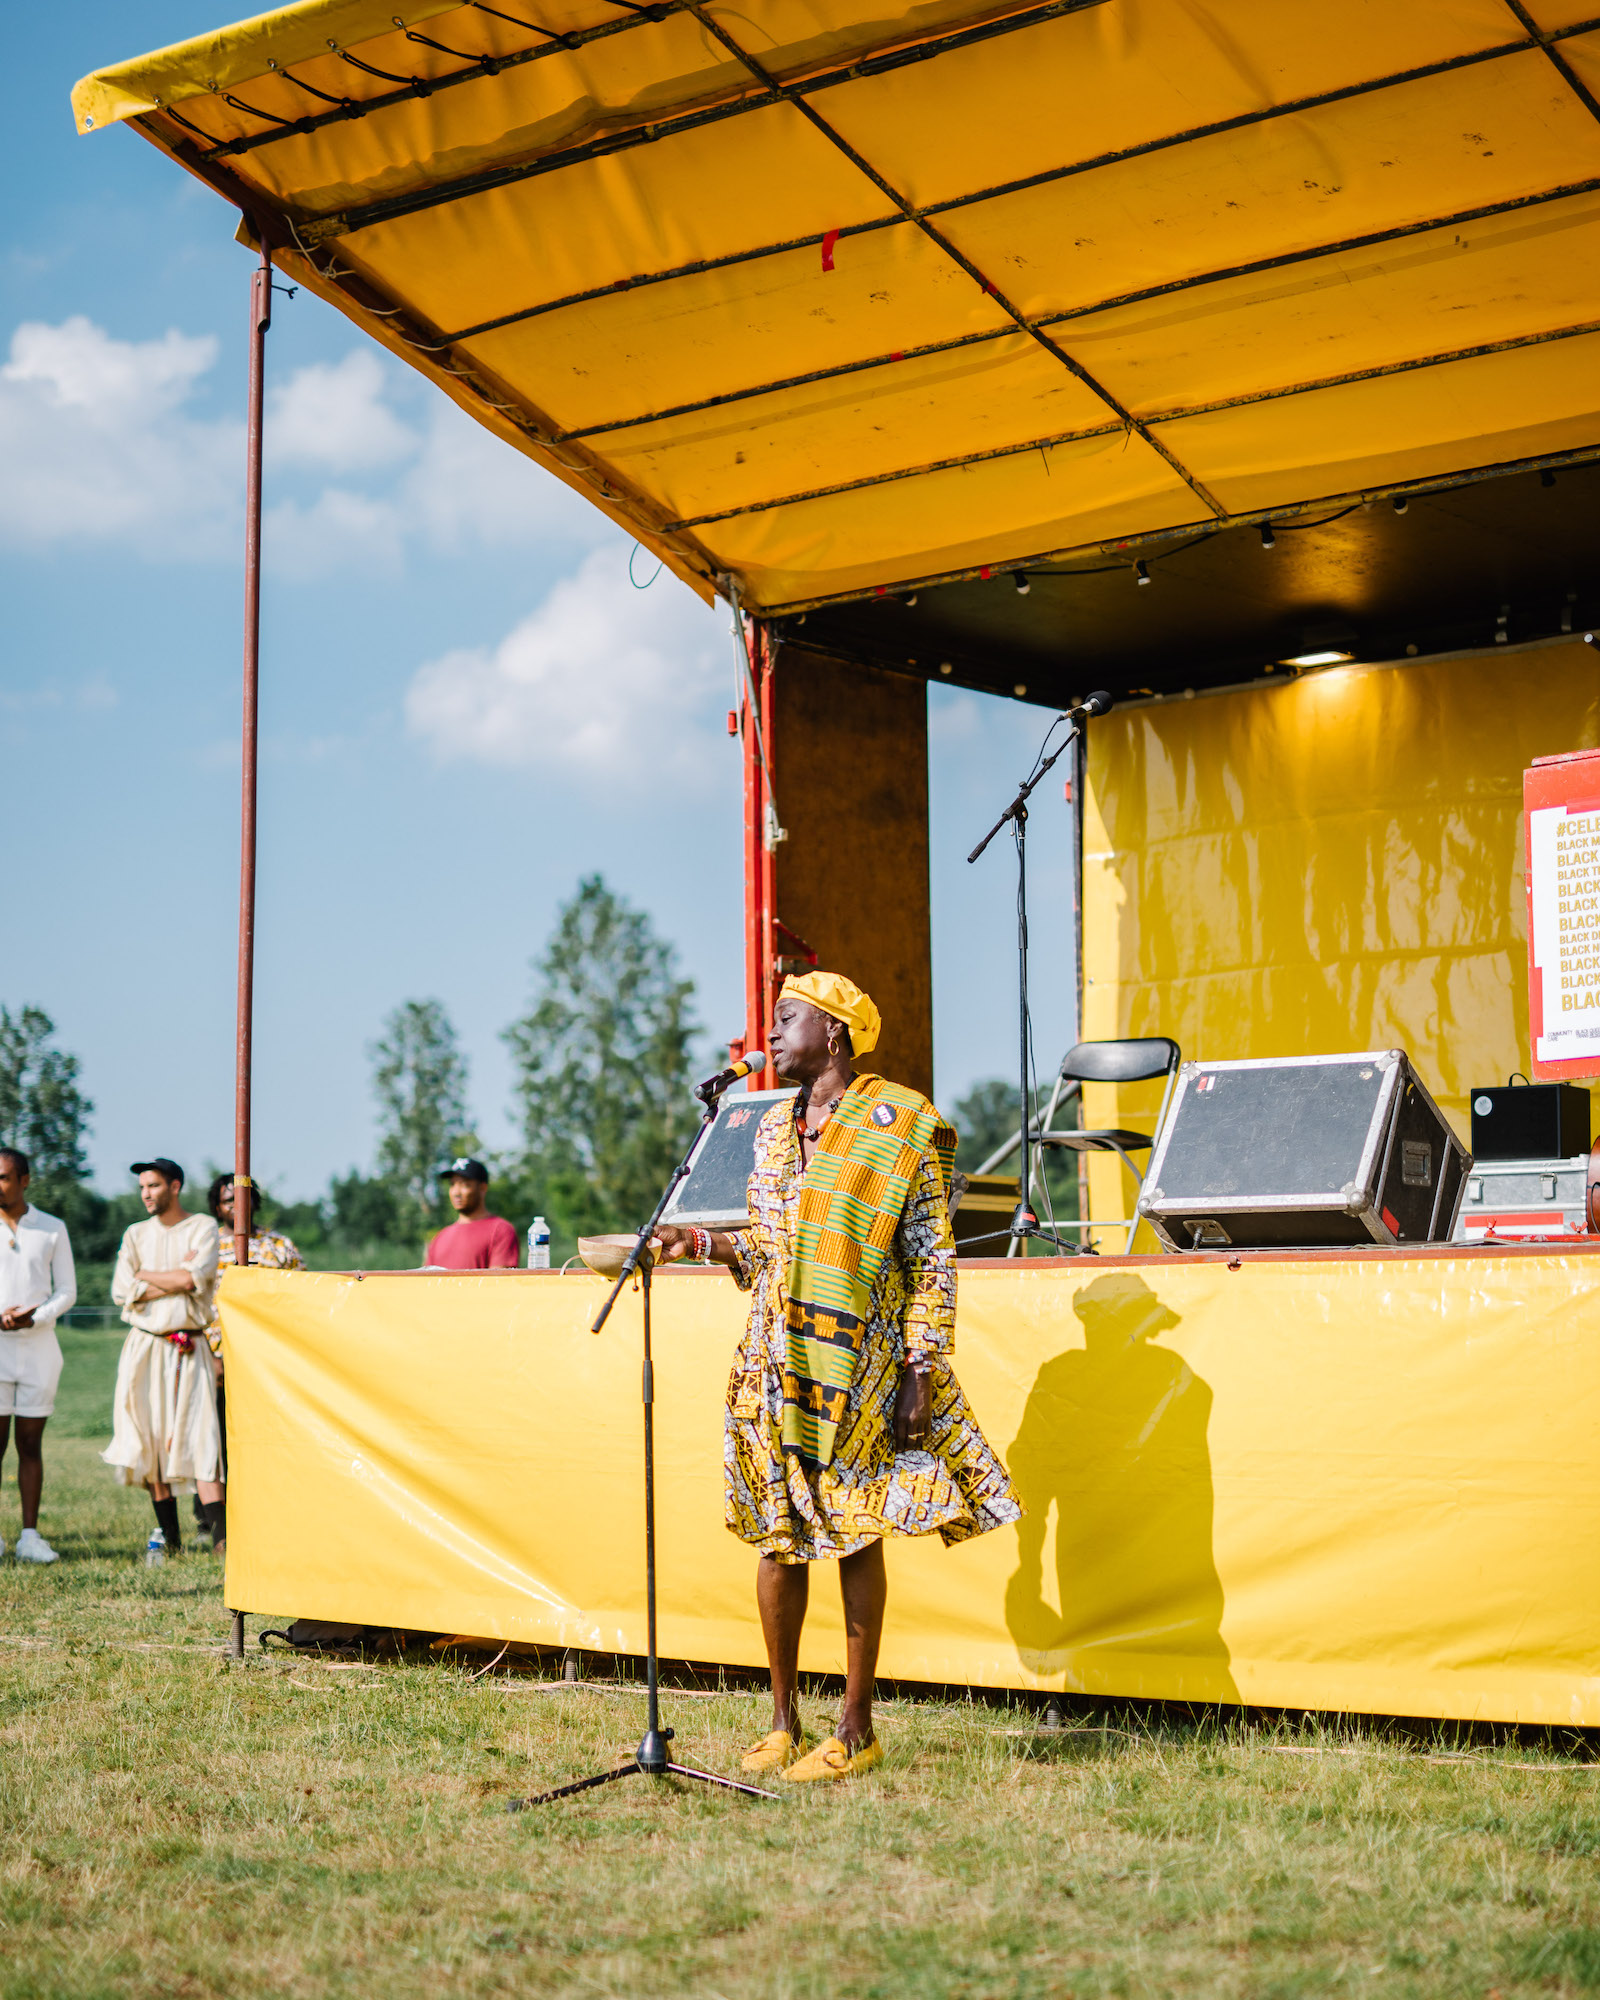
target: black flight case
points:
(1308, 1152)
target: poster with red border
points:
(1561, 827)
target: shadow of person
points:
(1113, 1437)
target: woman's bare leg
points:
(781, 1592)
(865, 1590)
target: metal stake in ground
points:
(652, 1756)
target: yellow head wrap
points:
(844, 1001)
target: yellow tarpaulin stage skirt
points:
(1366, 1482)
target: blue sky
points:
(464, 703)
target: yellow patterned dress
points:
(955, 1486)
(267, 1247)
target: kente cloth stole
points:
(851, 1201)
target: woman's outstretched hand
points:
(672, 1243)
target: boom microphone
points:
(750, 1065)
(1099, 703)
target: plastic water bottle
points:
(539, 1244)
(155, 1550)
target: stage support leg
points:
(849, 752)
(260, 320)
(761, 825)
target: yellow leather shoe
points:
(775, 1752)
(832, 1760)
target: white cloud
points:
(333, 414)
(469, 486)
(338, 531)
(100, 442)
(95, 444)
(603, 681)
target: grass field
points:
(173, 1824)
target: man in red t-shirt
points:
(476, 1240)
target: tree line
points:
(604, 1061)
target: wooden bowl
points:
(605, 1255)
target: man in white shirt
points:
(37, 1286)
(164, 1429)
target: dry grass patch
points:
(171, 1824)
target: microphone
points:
(1099, 703)
(750, 1065)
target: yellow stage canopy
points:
(827, 301)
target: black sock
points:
(216, 1512)
(167, 1522)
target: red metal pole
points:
(767, 662)
(760, 862)
(260, 320)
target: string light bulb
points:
(1268, 539)
(1023, 585)
(1141, 572)
(1401, 503)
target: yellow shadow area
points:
(1366, 1482)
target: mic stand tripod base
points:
(652, 1756)
(664, 1769)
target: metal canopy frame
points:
(608, 454)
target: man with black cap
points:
(164, 1429)
(476, 1240)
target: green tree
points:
(419, 1077)
(987, 1116)
(42, 1109)
(603, 1068)
(44, 1112)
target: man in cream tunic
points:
(164, 1429)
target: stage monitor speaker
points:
(1310, 1152)
(1530, 1121)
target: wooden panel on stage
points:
(1367, 1482)
(850, 772)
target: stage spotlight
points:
(1401, 503)
(1268, 539)
(1328, 645)
(1141, 572)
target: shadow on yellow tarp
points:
(1366, 1483)
(1113, 1445)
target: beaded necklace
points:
(803, 1128)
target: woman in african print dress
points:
(844, 1421)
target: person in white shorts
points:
(37, 1285)
(164, 1429)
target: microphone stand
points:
(652, 1756)
(1024, 1223)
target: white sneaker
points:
(33, 1548)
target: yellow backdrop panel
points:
(1368, 1484)
(1330, 864)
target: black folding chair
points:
(1134, 1061)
